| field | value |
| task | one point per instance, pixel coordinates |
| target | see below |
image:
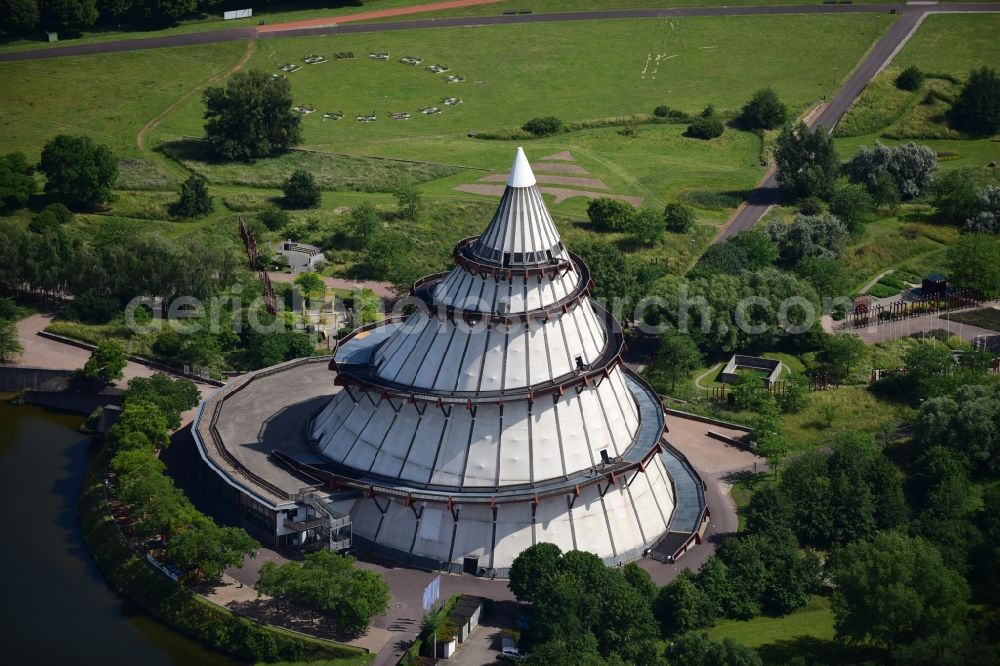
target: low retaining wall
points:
(155, 365)
(15, 378)
(706, 419)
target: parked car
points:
(512, 654)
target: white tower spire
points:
(520, 171)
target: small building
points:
(934, 284)
(301, 257)
(767, 368)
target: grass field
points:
(515, 72)
(109, 97)
(806, 633)
(953, 43)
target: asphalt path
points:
(273, 31)
(766, 195)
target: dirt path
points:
(140, 138)
(871, 283)
(375, 14)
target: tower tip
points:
(520, 172)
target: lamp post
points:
(834, 77)
(877, 17)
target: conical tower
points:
(499, 413)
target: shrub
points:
(194, 200)
(301, 190)
(705, 128)
(910, 78)
(274, 219)
(611, 214)
(678, 218)
(811, 205)
(543, 126)
(674, 115)
(853, 205)
(91, 308)
(763, 111)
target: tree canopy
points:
(107, 362)
(17, 183)
(895, 589)
(977, 109)
(909, 167)
(807, 160)
(301, 190)
(171, 396)
(251, 116)
(330, 583)
(611, 214)
(194, 200)
(78, 172)
(763, 111)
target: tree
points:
(68, 14)
(208, 550)
(409, 201)
(987, 219)
(640, 580)
(705, 128)
(19, 15)
(301, 190)
(895, 589)
(646, 226)
(310, 284)
(78, 172)
(611, 214)
(696, 649)
(749, 250)
(529, 571)
(10, 343)
(956, 200)
(364, 224)
(766, 423)
(251, 117)
(807, 161)
(106, 362)
(910, 78)
(17, 183)
(823, 236)
(795, 395)
(975, 263)
(330, 583)
(763, 111)
(171, 396)
(620, 281)
(143, 418)
(977, 109)
(275, 219)
(678, 218)
(677, 357)
(682, 606)
(828, 276)
(911, 168)
(853, 206)
(839, 352)
(543, 126)
(194, 200)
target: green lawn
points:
(807, 633)
(109, 97)
(953, 43)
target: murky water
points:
(55, 607)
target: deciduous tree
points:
(301, 190)
(107, 362)
(17, 183)
(78, 172)
(251, 117)
(807, 161)
(763, 111)
(977, 109)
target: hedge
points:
(133, 578)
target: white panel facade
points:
(499, 413)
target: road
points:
(765, 194)
(335, 27)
